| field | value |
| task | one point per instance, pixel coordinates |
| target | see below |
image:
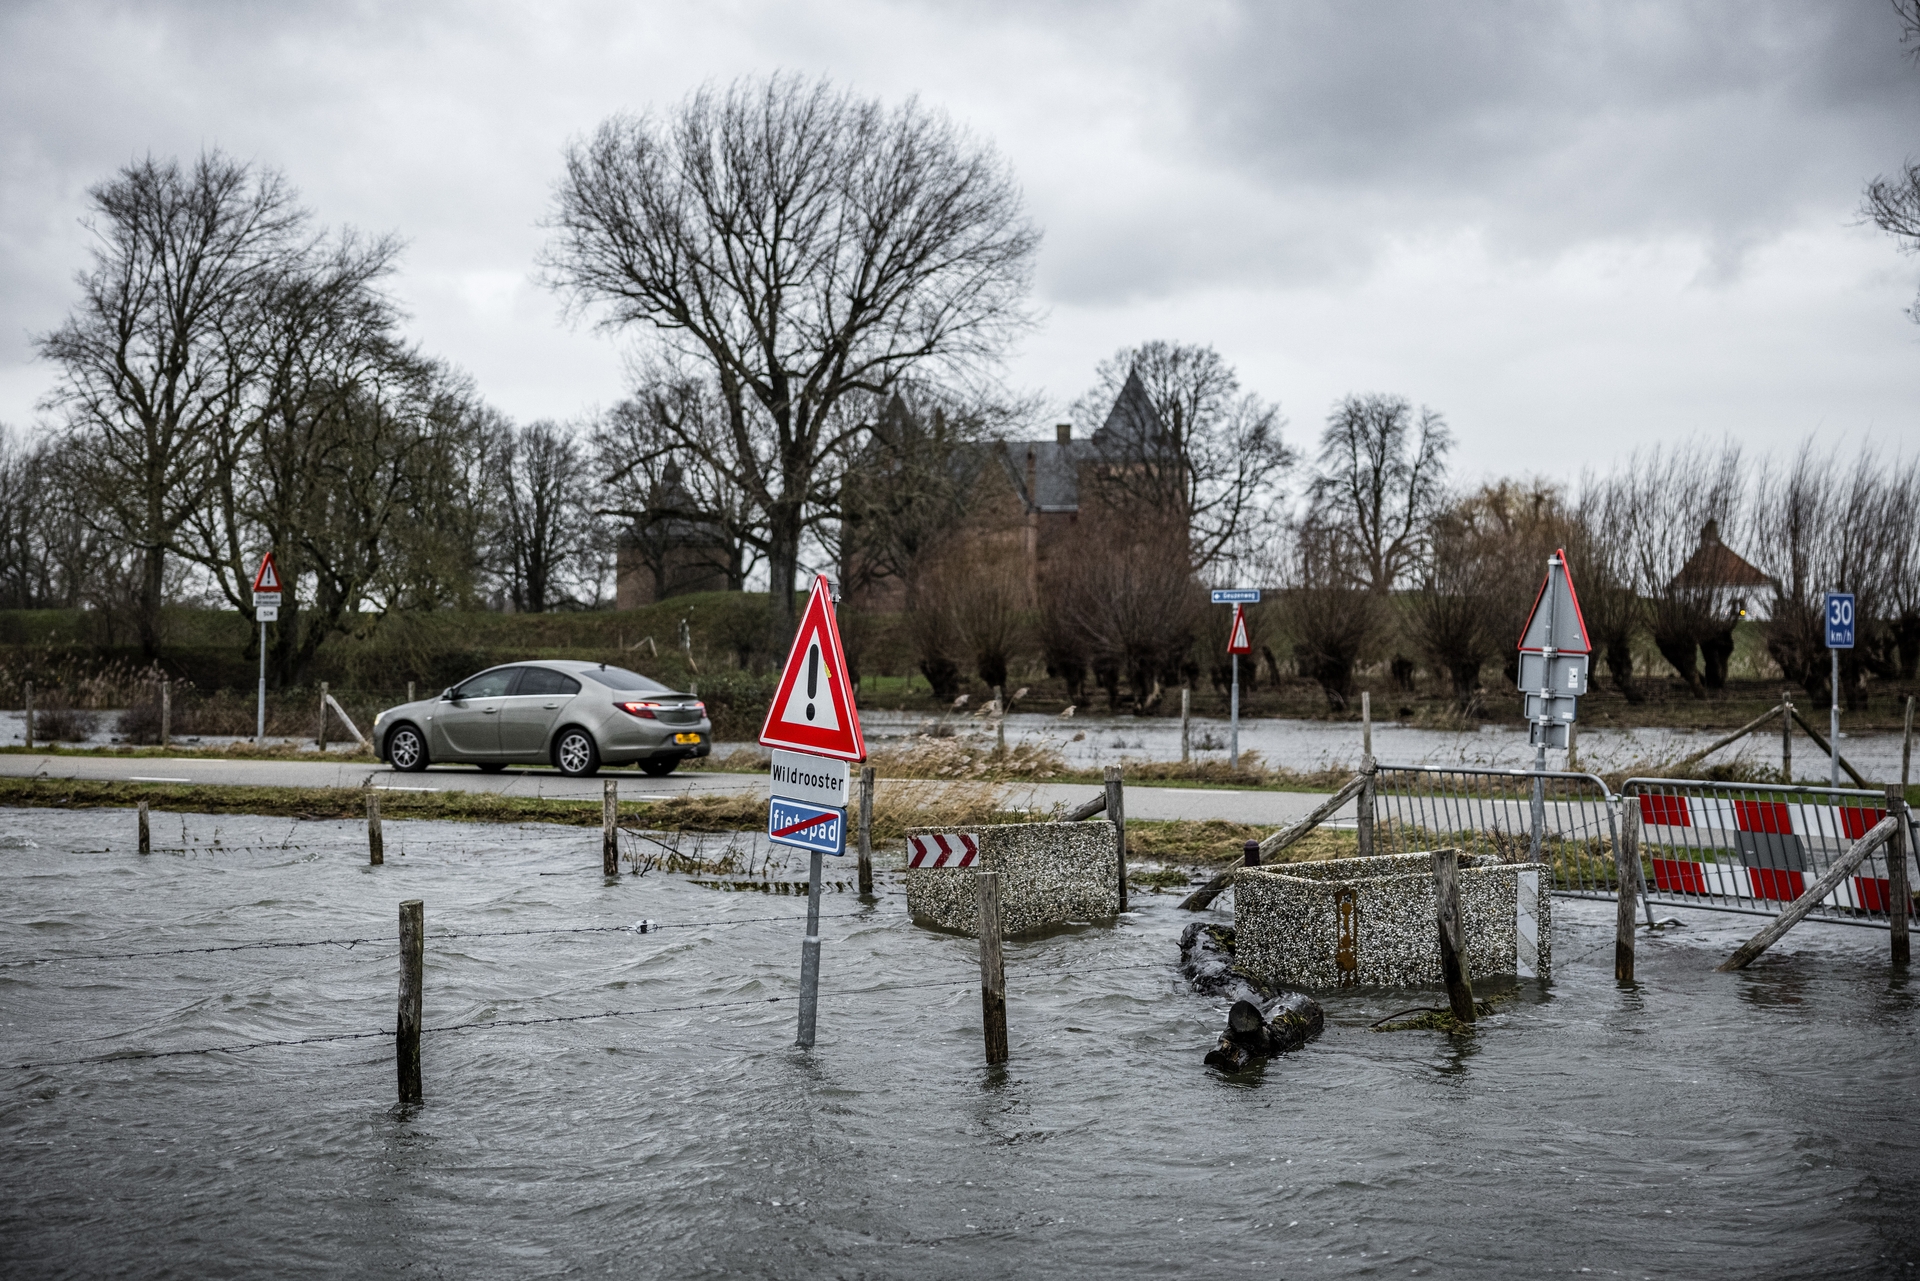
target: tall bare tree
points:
(147, 359)
(1178, 437)
(1382, 478)
(803, 245)
(546, 530)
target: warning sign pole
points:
(1238, 643)
(266, 607)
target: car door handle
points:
(549, 706)
(488, 711)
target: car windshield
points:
(621, 679)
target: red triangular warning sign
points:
(813, 707)
(1237, 641)
(267, 579)
(1556, 619)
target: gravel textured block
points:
(1055, 874)
(1371, 921)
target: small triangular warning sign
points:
(1556, 619)
(1237, 639)
(267, 579)
(813, 707)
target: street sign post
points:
(1554, 654)
(814, 729)
(1838, 609)
(1236, 595)
(266, 609)
(1238, 643)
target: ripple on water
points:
(1701, 1125)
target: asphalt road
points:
(1142, 802)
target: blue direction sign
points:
(1839, 620)
(1236, 595)
(806, 827)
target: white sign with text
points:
(813, 779)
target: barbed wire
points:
(242, 1046)
(638, 927)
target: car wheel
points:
(493, 767)
(407, 750)
(576, 754)
(658, 769)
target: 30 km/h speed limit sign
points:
(1839, 619)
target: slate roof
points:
(1057, 463)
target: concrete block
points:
(1371, 921)
(1055, 874)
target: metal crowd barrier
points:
(1491, 811)
(1735, 847)
(1755, 847)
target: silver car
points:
(576, 716)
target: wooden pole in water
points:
(166, 713)
(376, 844)
(1000, 720)
(1453, 958)
(1898, 892)
(146, 835)
(1906, 748)
(406, 1041)
(1117, 815)
(1626, 873)
(1186, 724)
(609, 829)
(993, 977)
(1786, 736)
(321, 737)
(29, 716)
(866, 831)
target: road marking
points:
(138, 778)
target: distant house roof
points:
(1714, 564)
(1056, 463)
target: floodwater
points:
(1317, 745)
(1699, 1125)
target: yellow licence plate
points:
(686, 738)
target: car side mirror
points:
(446, 695)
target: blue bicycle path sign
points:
(1839, 613)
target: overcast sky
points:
(1574, 229)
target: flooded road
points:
(1761, 1124)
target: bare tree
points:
(1600, 562)
(803, 245)
(1331, 611)
(147, 358)
(1671, 504)
(1178, 437)
(1382, 478)
(544, 526)
(1125, 585)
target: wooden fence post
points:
(1363, 813)
(1626, 873)
(1786, 736)
(1186, 724)
(406, 1041)
(1906, 748)
(166, 713)
(1117, 815)
(993, 977)
(29, 716)
(409, 691)
(146, 834)
(1573, 747)
(609, 829)
(376, 844)
(321, 737)
(866, 831)
(1453, 950)
(1366, 729)
(1000, 720)
(1898, 892)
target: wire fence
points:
(1566, 821)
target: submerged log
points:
(1256, 1032)
(1207, 961)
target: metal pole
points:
(810, 957)
(1833, 727)
(1233, 746)
(260, 721)
(1366, 729)
(1536, 838)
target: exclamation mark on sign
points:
(813, 677)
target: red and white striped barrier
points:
(1832, 822)
(1704, 823)
(942, 851)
